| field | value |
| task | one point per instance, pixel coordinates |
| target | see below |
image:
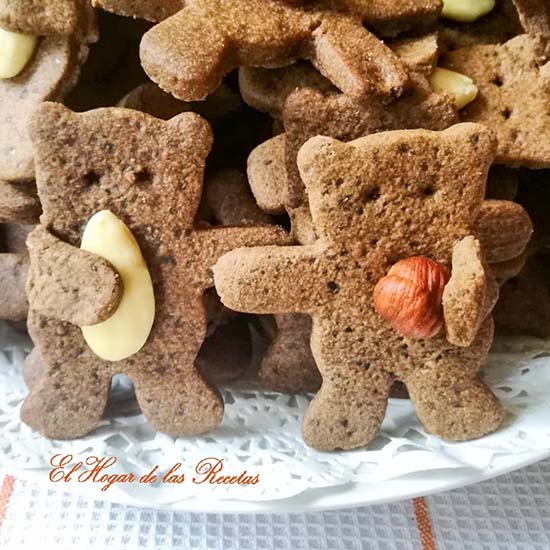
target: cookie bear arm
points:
(534, 16)
(355, 60)
(269, 279)
(503, 229)
(470, 294)
(70, 284)
(215, 242)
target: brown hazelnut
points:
(410, 296)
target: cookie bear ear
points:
(472, 139)
(197, 132)
(317, 157)
(48, 121)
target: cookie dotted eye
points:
(91, 178)
(506, 113)
(372, 194)
(428, 191)
(142, 177)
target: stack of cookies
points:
(363, 181)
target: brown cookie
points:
(148, 173)
(506, 75)
(288, 365)
(188, 53)
(70, 284)
(267, 89)
(504, 229)
(230, 202)
(470, 294)
(370, 207)
(267, 176)
(149, 98)
(226, 354)
(49, 75)
(308, 113)
(420, 54)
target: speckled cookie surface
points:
(470, 295)
(68, 283)
(506, 75)
(370, 207)
(149, 174)
(189, 53)
(267, 89)
(308, 113)
(49, 18)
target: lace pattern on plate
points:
(261, 433)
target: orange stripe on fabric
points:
(5, 493)
(423, 523)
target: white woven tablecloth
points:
(511, 512)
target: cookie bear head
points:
(376, 193)
(121, 160)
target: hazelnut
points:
(410, 297)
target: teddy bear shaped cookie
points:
(396, 284)
(42, 46)
(190, 52)
(125, 187)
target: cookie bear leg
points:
(176, 400)
(453, 408)
(288, 365)
(67, 402)
(350, 406)
(450, 399)
(348, 410)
